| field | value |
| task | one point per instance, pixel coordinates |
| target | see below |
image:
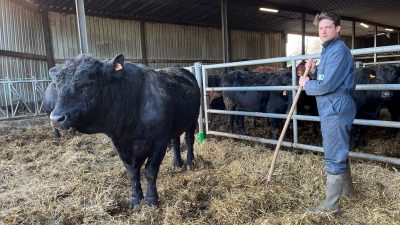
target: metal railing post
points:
(197, 72)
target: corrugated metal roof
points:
(242, 14)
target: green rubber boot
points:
(347, 183)
(334, 186)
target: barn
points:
(80, 180)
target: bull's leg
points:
(72, 131)
(151, 171)
(353, 137)
(56, 133)
(229, 123)
(361, 140)
(315, 128)
(176, 146)
(394, 109)
(229, 118)
(132, 165)
(276, 128)
(189, 138)
(254, 122)
(133, 169)
(240, 124)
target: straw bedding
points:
(80, 180)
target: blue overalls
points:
(336, 107)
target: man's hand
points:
(310, 64)
(303, 80)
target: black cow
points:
(392, 74)
(215, 98)
(49, 102)
(368, 102)
(140, 109)
(256, 101)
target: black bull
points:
(140, 109)
(368, 102)
(256, 101)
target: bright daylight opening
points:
(293, 45)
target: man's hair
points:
(329, 16)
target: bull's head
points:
(384, 75)
(80, 85)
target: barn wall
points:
(249, 45)
(106, 37)
(21, 29)
(64, 36)
(177, 42)
(23, 50)
(21, 34)
(165, 44)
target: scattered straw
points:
(81, 180)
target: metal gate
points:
(295, 117)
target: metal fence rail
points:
(295, 117)
(378, 63)
(16, 95)
(22, 97)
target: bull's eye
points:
(85, 86)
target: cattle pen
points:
(30, 99)
(296, 117)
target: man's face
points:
(327, 30)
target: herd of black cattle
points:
(369, 102)
(143, 110)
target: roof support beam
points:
(47, 39)
(143, 44)
(224, 31)
(303, 33)
(82, 34)
(375, 40)
(353, 34)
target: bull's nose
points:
(387, 94)
(57, 118)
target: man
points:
(337, 110)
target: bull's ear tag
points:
(118, 62)
(371, 76)
(284, 93)
(117, 67)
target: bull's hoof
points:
(153, 201)
(176, 168)
(72, 132)
(135, 202)
(56, 136)
(190, 166)
(177, 165)
(135, 207)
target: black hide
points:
(140, 109)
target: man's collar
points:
(327, 43)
